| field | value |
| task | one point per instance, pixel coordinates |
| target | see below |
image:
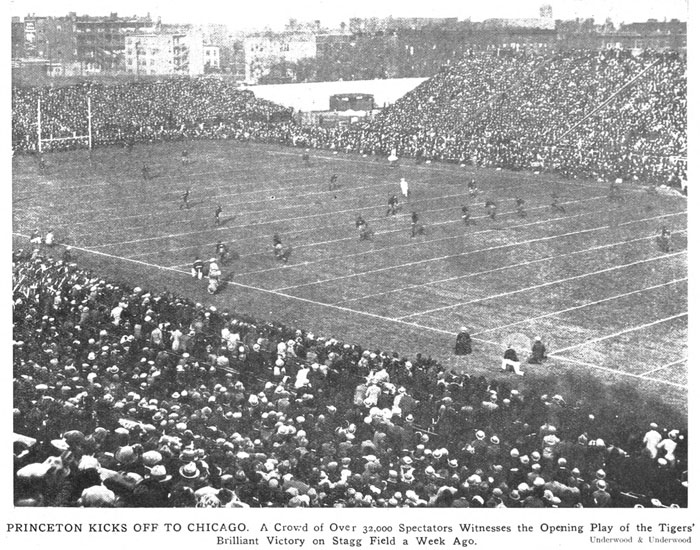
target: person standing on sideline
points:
(404, 188)
(463, 345)
(393, 158)
(651, 441)
(214, 276)
(510, 360)
(538, 352)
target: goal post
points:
(41, 140)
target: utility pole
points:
(138, 45)
(89, 107)
(38, 124)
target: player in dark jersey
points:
(145, 172)
(334, 183)
(556, 207)
(363, 228)
(366, 232)
(466, 216)
(185, 157)
(281, 253)
(217, 214)
(222, 252)
(615, 194)
(416, 227)
(393, 205)
(664, 239)
(185, 200)
(490, 209)
(305, 157)
(520, 207)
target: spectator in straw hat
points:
(97, 496)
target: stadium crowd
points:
(144, 111)
(130, 398)
(602, 115)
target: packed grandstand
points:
(129, 397)
(582, 114)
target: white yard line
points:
(673, 363)
(169, 208)
(308, 217)
(412, 244)
(494, 270)
(466, 170)
(185, 182)
(582, 306)
(543, 285)
(250, 287)
(619, 333)
(447, 256)
(375, 250)
(177, 192)
(356, 312)
(590, 365)
(235, 204)
(621, 373)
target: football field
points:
(590, 279)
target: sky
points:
(274, 13)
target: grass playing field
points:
(591, 281)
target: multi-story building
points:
(263, 50)
(212, 58)
(157, 54)
(79, 43)
(101, 40)
(652, 34)
(17, 37)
